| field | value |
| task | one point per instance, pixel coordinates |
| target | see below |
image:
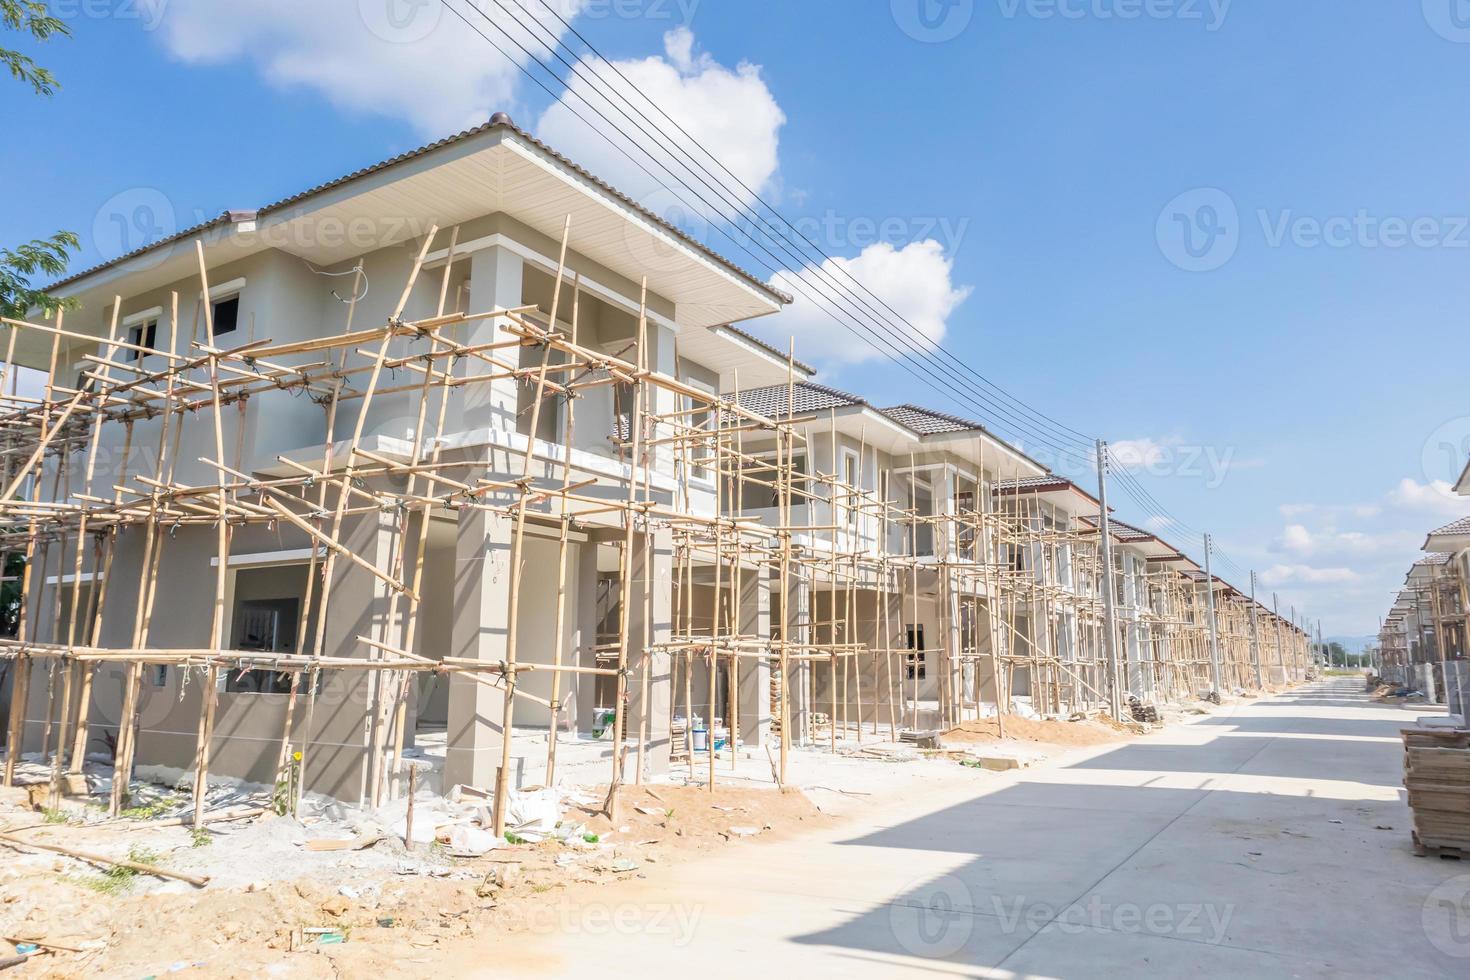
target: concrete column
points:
(949, 602)
(652, 569)
(481, 597)
(796, 610)
(581, 708)
(496, 278)
(755, 674)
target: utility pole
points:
(1255, 636)
(1296, 641)
(1110, 620)
(1214, 634)
(1280, 654)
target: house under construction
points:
(469, 443)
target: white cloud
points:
(1434, 497)
(1296, 510)
(1141, 454)
(1278, 575)
(914, 280)
(406, 59)
(730, 113)
(1296, 538)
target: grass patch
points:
(147, 811)
(53, 815)
(118, 880)
(199, 837)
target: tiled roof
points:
(1034, 483)
(1436, 558)
(926, 421)
(497, 121)
(1051, 483)
(1125, 533)
(1462, 526)
(805, 397)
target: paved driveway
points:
(1249, 843)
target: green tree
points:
(42, 256)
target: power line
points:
(887, 338)
(785, 224)
(885, 329)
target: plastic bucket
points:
(701, 740)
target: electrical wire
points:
(884, 335)
(850, 304)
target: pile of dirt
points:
(1071, 733)
(405, 910)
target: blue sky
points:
(1035, 166)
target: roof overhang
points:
(1449, 543)
(980, 447)
(494, 169)
(742, 362)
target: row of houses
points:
(1422, 640)
(466, 455)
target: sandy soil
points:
(392, 922)
(415, 911)
(1069, 733)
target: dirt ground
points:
(398, 923)
(1069, 733)
(275, 905)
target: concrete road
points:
(1270, 839)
